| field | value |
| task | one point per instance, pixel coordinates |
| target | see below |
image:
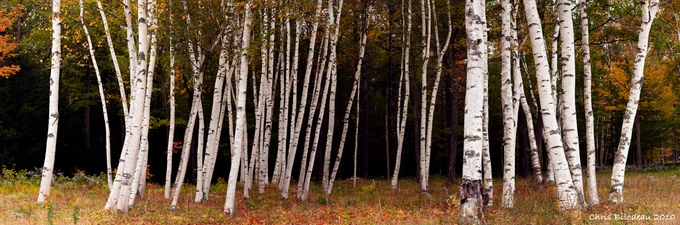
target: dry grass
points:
(371, 202)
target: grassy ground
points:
(82, 198)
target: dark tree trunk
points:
(416, 126)
(538, 133)
(637, 141)
(522, 144)
(87, 129)
(388, 94)
(363, 124)
(451, 96)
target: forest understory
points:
(78, 200)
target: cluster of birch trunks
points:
(280, 30)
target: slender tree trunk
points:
(331, 79)
(101, 97)
(238, 145)
(509, 119)
(114, 58)
(216, 112)
(452, 115)
(426, 25)
(50, 150)
(125, 153)
(357, 76)
(487, 184)
(312, 111)
(649, 10)
(171, 130)
(568, 198)
(402, 114)
(588, 105)
(521, 101)
(637, 142)
(137, 112)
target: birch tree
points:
(238, 146)
(509, 120)
(402, 105)
(426, 28)
(53, 121)
(114, 58)
(355, 87)
(487, 190)
(107, 131)
(568, 198)
(649, 10)
(137, 116)
(440, 52)
(333, 26)
(521, 100)
(125, 153)
(171, 130)
(593, 199)
(471, 186)
(568, 95)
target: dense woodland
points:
(314, 91)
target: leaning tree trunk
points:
(521, 100)
(114, 58)
(487, 175)
(402, 114)
(238, 145)
(649, 10)
(568, 198)
(348, 109)
(568, 96)
(53, 121)
(471, 187)
(171, 129)
(426, 25)
(136, 113)
(101, 96)
(509, 121)
(588, 105)
(435, 89)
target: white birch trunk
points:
(550, 178)
(240, 112)
(554, 71)
(216, 112)
(53, 122)
(331, 80)
(139, 180)
(593, 199)
(471, 187)
(487, 190)
(402, 115)
(509, 119)
(568, 198)
(125, 153)
(101, 96)
(314, 108)
(649, 10)
(357, 75)
(171, 130)
(426, 25)
(114, 58)
(568, 96)
(137, 114)
(521, 100)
